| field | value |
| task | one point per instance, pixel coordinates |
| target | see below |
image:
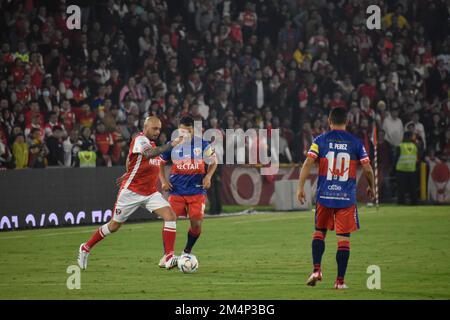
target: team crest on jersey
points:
(197, 151)
(118, 211)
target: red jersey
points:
(143, 174)
(104, 141)
(23, 96)
(18, 74)
(68, 118)
(29, 115)
(86, 119)
(117, 149)
(368, 91)
(337, 104)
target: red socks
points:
(169, 234)
(98, 235)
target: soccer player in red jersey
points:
(193, 165)
(338, 153)
(138, 188)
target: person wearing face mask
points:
(45, 101)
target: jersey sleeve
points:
(314, 149)
(141, 144)
(165, 156)
(362, 155)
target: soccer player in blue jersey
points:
(339, 153)
(193, 165)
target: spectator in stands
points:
(52, 123)
(85, 140)
(393, 127)
(71, 147)
(232, 61)
(38, 153)
(55, 147)
(6, 159)
(86, 117)
(104, 142)
(20, 152)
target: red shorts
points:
(345, 219)
(192, 206)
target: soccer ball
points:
(188, 263)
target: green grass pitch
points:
(263, 256)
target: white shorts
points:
(128, 201)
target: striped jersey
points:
(142, 174)
(189, 164)
(339, 153)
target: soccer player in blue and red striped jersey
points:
(193, 165)
(338, 153)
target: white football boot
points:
(169, 264)
(162, 262)
(313, 278)
(82, 257)
(172, 262)
(340, 285)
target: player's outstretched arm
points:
(368, 173)
(304, 173)
(154, 152)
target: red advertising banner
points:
(438, 182)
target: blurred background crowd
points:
(76, 97)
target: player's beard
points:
(152, 137)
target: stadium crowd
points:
(76, 97)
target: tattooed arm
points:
(154, 152)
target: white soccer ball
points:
(188, 263)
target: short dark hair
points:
(407, 136)
(338, 116)
(187, 121)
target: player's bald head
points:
(152, 121)
(152, 127)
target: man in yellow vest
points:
(87, 159)
(405, 167)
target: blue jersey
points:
(339, 153)
(189, 165)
